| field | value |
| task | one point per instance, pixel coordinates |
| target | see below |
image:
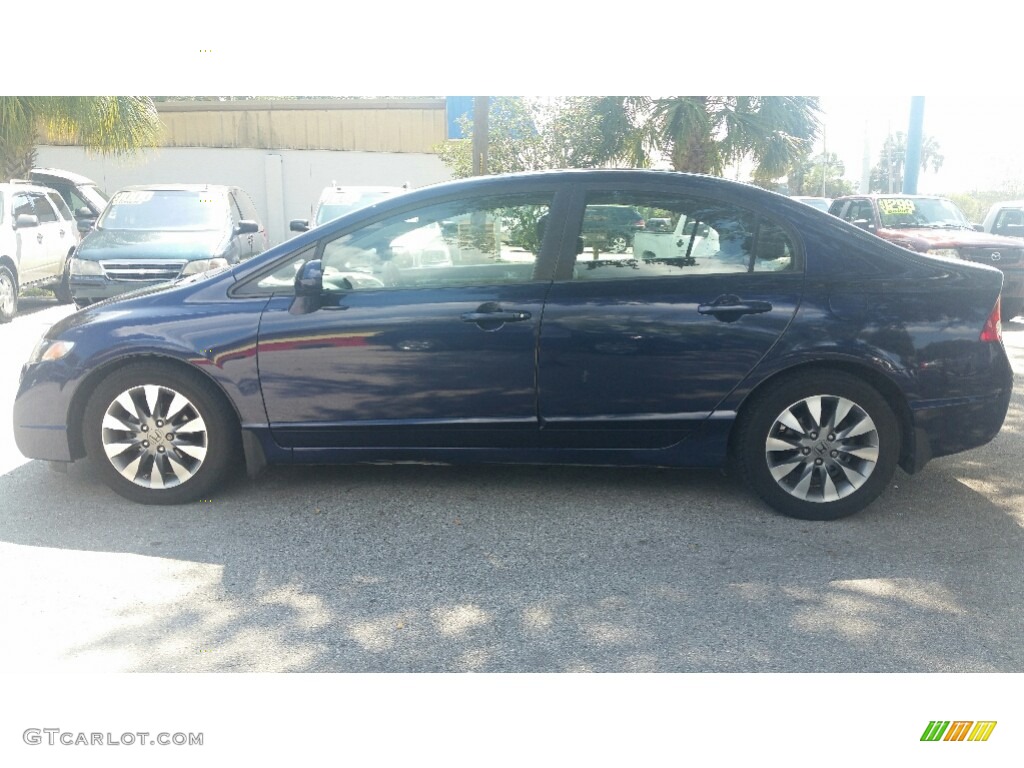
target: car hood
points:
(924, 238)
(121, 243)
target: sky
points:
(864, 68)
(982, 152)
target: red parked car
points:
(935, 226)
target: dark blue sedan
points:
(471, 321)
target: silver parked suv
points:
(38, 235)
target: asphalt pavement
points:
(507, 569)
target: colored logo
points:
(958, 730)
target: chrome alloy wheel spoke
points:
(822, 448)
(154, 436)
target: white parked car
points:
(38, 235)
(335, 201)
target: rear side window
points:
(693, 236)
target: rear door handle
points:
(731, 307)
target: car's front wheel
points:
(8, 295)
(159, 434)
(62, 290)
(818, 446)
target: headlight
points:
(85, 267)
(949, 253)
(203, 265)
(49, 350)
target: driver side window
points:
(478, 242)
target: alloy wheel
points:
(154, 436)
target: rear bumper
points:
(945, 427)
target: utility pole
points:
(480, 134)
(824, 158)
(915, 137)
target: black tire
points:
(62, 290)
(8, 294)
(828, 468)
(129, 413)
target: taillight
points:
(993, 330)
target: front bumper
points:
(41, 410)
(95, 288)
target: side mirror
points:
(299, 225)
(84, 213)
(247, 227)
(309, 281)
(26, 220)
(309, 288)
(864, 224)
(978, 227)
(85, 225)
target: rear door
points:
(638, 352)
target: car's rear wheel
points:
(818, 446)
(8, 295)
(160, 435)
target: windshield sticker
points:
(136, 197)
(896, 207)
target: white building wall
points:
(281, 189)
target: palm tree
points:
(893, 156)
(117, 125)
(704, 134)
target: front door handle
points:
(493, 317)
(39, 237)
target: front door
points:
(426, 335)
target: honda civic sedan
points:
(810, 357)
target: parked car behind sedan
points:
(82, 195)
(37, 238)
(335, 201)
(154, 233)
(1005, 219)
(935, 226)
(807, 355)
(821, 203)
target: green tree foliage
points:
(806, 178)
(117, 125)
(698, 134)
(975, 204)
(892, 158)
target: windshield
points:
(345, 202)
(162, 210)
(921, 212)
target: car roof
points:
(14, 185)
(176, 188)
(877, 195)
(60, 173)
(1009, 204)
